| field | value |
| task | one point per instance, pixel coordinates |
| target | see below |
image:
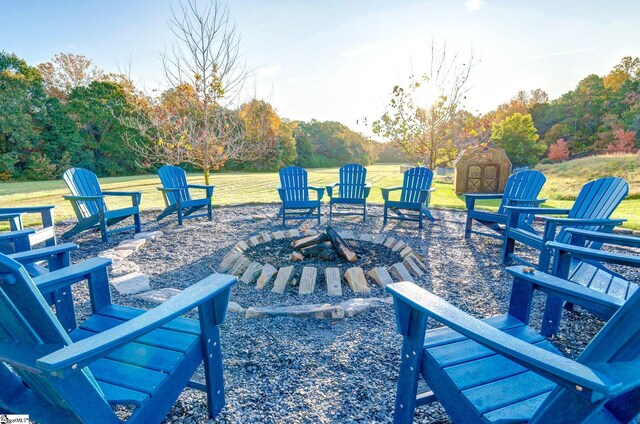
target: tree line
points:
(67, 112)
(602, 114)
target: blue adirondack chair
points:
(591, 211)
(58, 372)
(415, 194)
(46, 234)
(17, 245)
(177, 196)
(500, 370)
(522, 189)
(294, 194)
(587, 267)
(353, 191)
(88, 202)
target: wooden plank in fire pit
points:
(334, 282)
(240, 266)
(399, 246)
(268, 271)
(283, 277)
(251, 273)
(308, 280)
(381, 276)
(228, 262)
(356, 279)
(390, 242)
(412, 267)
(400, 273)
(308, 241)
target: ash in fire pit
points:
(327, 246)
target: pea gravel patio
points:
(288, 369)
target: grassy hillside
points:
(567, 178)
(563, 183)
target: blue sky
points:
(338, 60)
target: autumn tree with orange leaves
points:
(559, 150)
(194, 121)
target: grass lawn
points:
(241, 187)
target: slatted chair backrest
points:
(28, 320)
(293, 180)
(597, 200)
(618, 342)
(352, 181)
(84, 183)
(523, 185)
(174, 177)
(415, 180)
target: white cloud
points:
(363, 49)
(270, 71)
(473, 5)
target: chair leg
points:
(552, 316)
(384, 219)
(210, 212)
(284, 214)
(137, 223)
(467, 227)
(430, 217)
(319, 215)
(544, 260)
(103, 230)
(179, 215)
(212, 358)
(508, 248)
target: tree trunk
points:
(206, 176)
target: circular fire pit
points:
(301, 261)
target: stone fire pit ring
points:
(241, 261)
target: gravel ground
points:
(307, 370)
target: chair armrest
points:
(424, 194)
(330, 188)
(596, 255)
(555, 367)
(83, 198)
(72, 274)
(387, 190)
(537, 211)
(121, 193)
(28, 209)
(580, 221)
(318, 190)
(88, 350)
(36, 255)
(208, 188)
(607, 238)
(482, 196)
(566, 290)
(161, 188)
(200, 186)
(516, 202)
(281, 192)
(11, 236)
(136, 196)
(10, 215)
